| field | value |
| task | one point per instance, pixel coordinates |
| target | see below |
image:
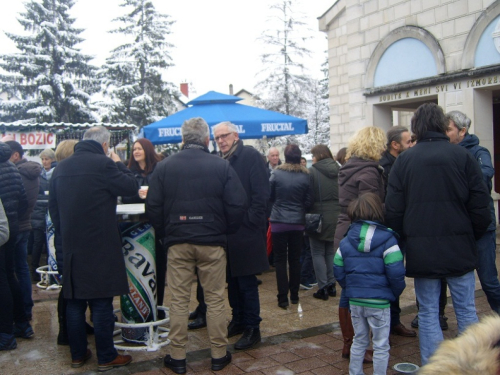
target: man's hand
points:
(114, 156)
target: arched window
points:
(406, 54)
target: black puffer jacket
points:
(195, 197)
(12, 193)
(30, 171)
(291, 194)
(438, 201)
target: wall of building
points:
(360, 31)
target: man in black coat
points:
(246, 249)
(438, 202)
(82, 203)
(194, 201)
(13, 319)
(30, 172)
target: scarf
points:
(196, 146)
(232, 150)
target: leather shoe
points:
(401, 330)
(121, 360)
(234, 329)
(176, 365)
(219, 363)
(80, 362)
(251, 336)
(193, 315)
(332, 292)
(199, 322)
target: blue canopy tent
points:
(215, 107)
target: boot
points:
(347, 330)
(321, 294)
(348, 335)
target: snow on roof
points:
(56, 125)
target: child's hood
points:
(368, 235)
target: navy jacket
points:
(195, 197)
(483, 157)
(369, 265)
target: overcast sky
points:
(215, 40)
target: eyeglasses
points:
(222, 137)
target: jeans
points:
(364, 319)
(487, 270)
(23, 271)
(286, 249)
(307, 275)
(104, 323)
(12, 308)
(322, 256)
(243, 295)
(427, 292)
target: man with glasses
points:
(246, 249)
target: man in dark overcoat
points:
(82, 202)
(246, 248)
(438, 202)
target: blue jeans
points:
(104, 323)
(427, 292)
(322, 256)
(243, 295)
(23, 271)
(487, 269)
(379, 321)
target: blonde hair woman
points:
(359, 175)
(65, 149)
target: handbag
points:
(314, 222)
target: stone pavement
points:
(304, 339)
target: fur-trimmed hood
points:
(475, 352)
(296, 168)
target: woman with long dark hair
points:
(291, 193)
(142, 163)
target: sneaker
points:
(80, 362)
(7, 341)
(23, 330)
(314, 283)
(306, 286)
(120, 360)
(176, 365)
(219, 363)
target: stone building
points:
(387, 57)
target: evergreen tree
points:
(132, 76)
(49, 80)
(283, 86)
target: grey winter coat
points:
(325, 183)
